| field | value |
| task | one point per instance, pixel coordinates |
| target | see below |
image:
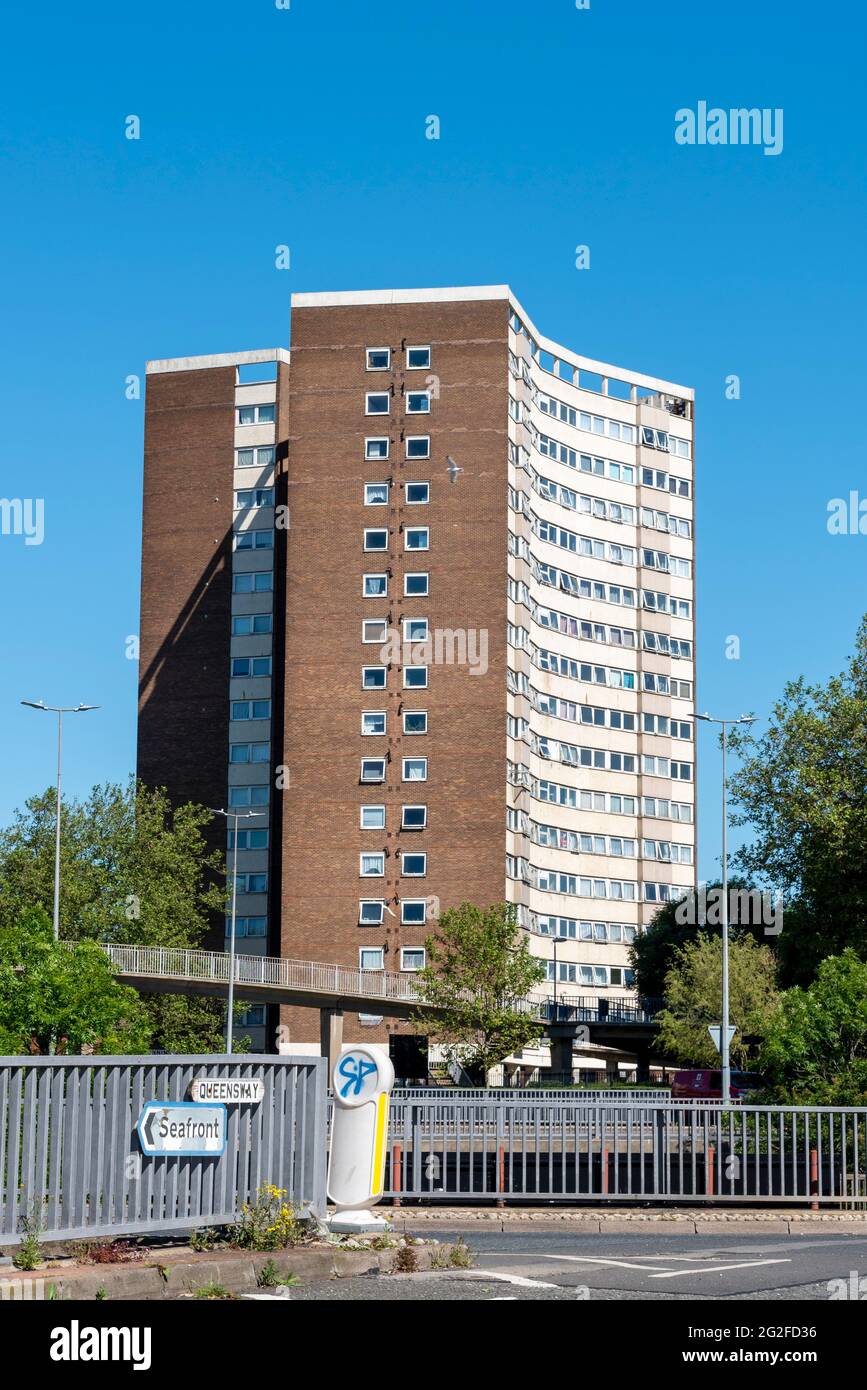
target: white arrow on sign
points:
(715, 1030)
(182, 1129)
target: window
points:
(418, 446)
(378, 359)
(250, 709)
(412, 957)
(372, 722)
(254, 540)
(418, 402)
(376, 448)
(246, 926)
(249, 752)
(417, 357)
(248, 624)
(256, 415)
(371, 865)
(261, 582)
(249, 796)
(249, 839)
(370, 912)
(416, 585)
(414, 769)
(417, 493)
(372, 818)
(376, 403)
(371, 958)
(373, 769)
(413, 865)
(375, 585)
(375, 494)
(374, 630)
(262, 457)
(251, 665)
(415, 677)
(252, 883)
(415, 721)
(253, 497)
(413, 817)
(373, 677)
(413, 911)
(415, 629)
(375, 540)
(415, 538)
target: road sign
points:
(715, 1030)
(228, 1090)
(362, 1079)
(181, 1129)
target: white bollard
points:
(361, 1080)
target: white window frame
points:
(418, 854)
(413, 439)
(379, 414)
(369, 350)
(378, 854)
(374, 806)
(414, 733)
(371, 902)
(403, 776)
(416, 482)
(427, 398)
(413, 806)
(416, 549)
(375, 549)
(417, 574)
(374, 574)
(405, 628)
(413, 922)
(374, 641)
(368, 502)
(372, 781)
(255, 406)
(418, 347)
(423, 685)
(415, 950)
(374, 714)
(366, 950)
(376, 439)
(379, 685)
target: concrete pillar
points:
(642, 1069)
(561, 1051)
(330, 1035)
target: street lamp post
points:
(59, 710)
(233, 816)
(724, 1029)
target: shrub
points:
(269, 1223)
(405, 1261)
(203, 1239)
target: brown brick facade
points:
(324, 699)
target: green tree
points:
(134, 869)
(802, 789)
(49, 991)
(693, 993)
(479, 971)
(815, 1050)
(653, 952)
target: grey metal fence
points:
(70, 1156)
(531, 1149)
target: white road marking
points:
(598, 1260)
(717, 1269)
(507, 1279)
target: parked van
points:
(707, 1085)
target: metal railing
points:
(320, 977)
(535, 1149)
(71, 1163)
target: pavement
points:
(560, 1265)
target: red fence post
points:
(396, 1174)
(814, 1177)
(709, 1160)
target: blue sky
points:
(306, 126)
